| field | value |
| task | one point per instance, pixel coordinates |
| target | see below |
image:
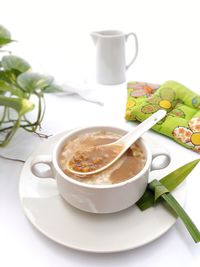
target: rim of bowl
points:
(103, 186)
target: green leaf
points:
(6, 87)
(161, 191)
(53, 89)
(21, 105)
(9, 76)
(15, 63)
(3, 76)
(5, 37)
(4, 33)
(4, 41)
(30, 81)
(146, 201)
(170, 181)
(158, 188)
(191, 227)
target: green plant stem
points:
(172, 202)
(12, 159)
(3, 115)
(10, 134)
(44, 109)
(40, 111)
(6, 129)
(32, 127)
(22, 126)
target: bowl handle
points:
(42, 159)
(163, 162)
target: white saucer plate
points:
(76, 229)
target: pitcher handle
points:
(136, 48)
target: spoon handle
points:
(131, 137)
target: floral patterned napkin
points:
(182, 122)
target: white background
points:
(54, 37)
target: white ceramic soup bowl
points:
(99, 198)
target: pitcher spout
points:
(94, 36)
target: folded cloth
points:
(84, 90)
(182, 122)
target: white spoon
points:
(123, 143)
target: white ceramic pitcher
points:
(110, 56)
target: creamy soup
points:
(94, 157)
(78, 153)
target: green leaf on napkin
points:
(170, 181)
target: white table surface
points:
(54, 37)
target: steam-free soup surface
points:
(131, 163)
(94, 157)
